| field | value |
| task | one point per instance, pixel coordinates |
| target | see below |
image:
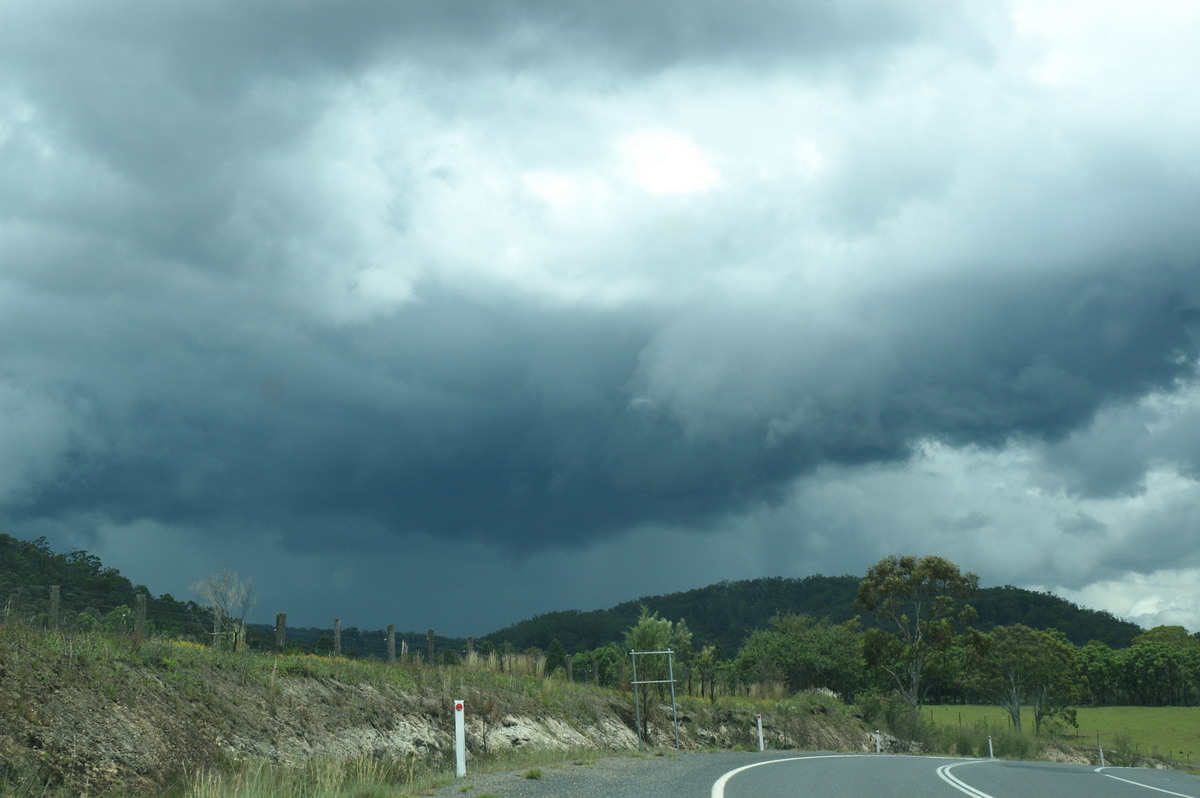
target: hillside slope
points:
(86, 714)
(727, 612)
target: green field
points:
(1171, 732)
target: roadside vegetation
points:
(229, 712)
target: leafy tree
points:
(804, 654)
(603, 666)
(1168, 635)
(1016, 665)
(945, 668)
(1160, 674)
(1060, 684)
(685, 655)
(917, 599)
(556, 657)
(119, 621)
(1098, 672)
(651, 633)
(709, 663)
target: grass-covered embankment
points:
(105, 716)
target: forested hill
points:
(91, 595)
(727, 612)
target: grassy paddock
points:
(1169, 732)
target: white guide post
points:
(761, 745)
(460, 740)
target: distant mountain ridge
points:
(727, 612)
(724, 613)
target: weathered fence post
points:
(55, 606)
(391, 643)
(403, 651)
(337, 637)
(280, 631)
(139, 621)
(429, 642)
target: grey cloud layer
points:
(537, 428)
(274, 266)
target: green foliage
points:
(1097, 666)
(1015, 665)
(1160, 673)
(718, 613)
(722, 613)
(90, 593)
(1007, 605)
(804, 654)
(556, 657)
(652, 634)
(917, 599)
(891, 712)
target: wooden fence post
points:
(337, 637)
(280, 631)
(403, 651)
(139, 621)
(55, 605)
(429, 642)
(391, 643)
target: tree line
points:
(922, 645)
(725, 612)
(92, 596)
(913, 630)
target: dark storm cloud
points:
(536, 429)
(544, 277)
(206, 46)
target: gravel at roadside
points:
(618, 776)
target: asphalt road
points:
(781, 775)
(847, 776)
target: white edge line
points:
(1143, 786)
(718, 788)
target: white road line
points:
(946, 776)
(718, 788)
(1143, 786)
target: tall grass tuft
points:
(362, 777)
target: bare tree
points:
(232, 600)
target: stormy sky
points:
(448, 313)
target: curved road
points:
(856, 775)
(779, 774)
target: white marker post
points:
(460, 739)
(761, 745)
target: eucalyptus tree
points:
(654, 634)
(919, 601)
(1015, 665)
